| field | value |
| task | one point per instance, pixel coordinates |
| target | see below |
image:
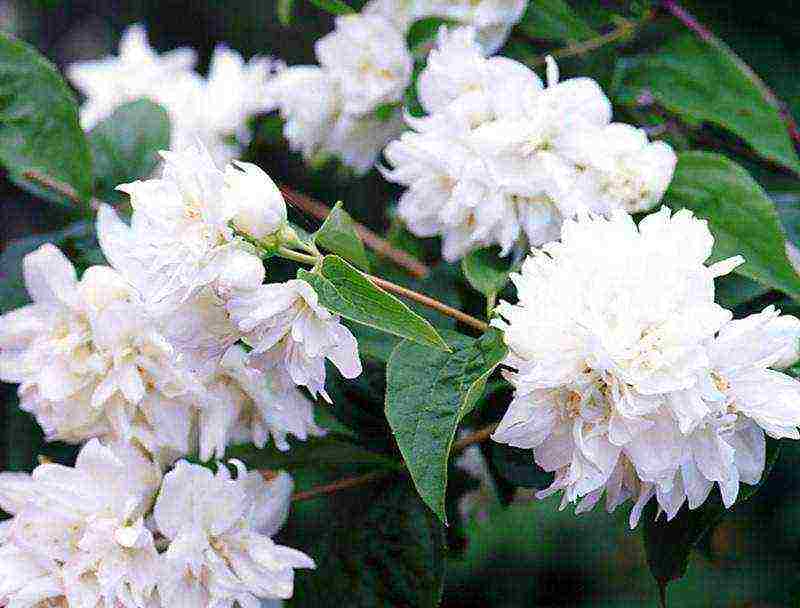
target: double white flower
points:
(492, 19)
(630, 380)
(503, 160)
(333, 108)
(82, 536)
(212, 110)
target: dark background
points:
(529, 554)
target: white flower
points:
(500, 160)
(286, 325)
(309, 101)
(610, 332)
(219, 529)
(79, 539)
(249, 404)
(260, 208)
(492, 19)
(180, 239)
(367, 55)
(213, 110)
(459, 79)
(137, 72)
(86, 357)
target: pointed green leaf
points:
(486, 271)
(554, 20)
(39, 127)
(284, 9)
(386, 551)
(125, 145)
(668, 543)
(428, 392)
(741, 217)
(334, 7)
(701, 84)
(338, 235)
(346, 291)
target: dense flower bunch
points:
(502, 160)
(81, 536)
(630, 381)
(492, 19)
(348, 105)
(151, 348)
(213, 110)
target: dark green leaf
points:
(740, 215)
(554, 20)
(486, 271)
(668, 543)
(733, 290)
(518, 467)
(39, 128)
(347, 292)
(422, 35)
(334, 7)
(338, 235)
(331, 451)
(701, 84)
(125, 145)
(284, 9)
(389, 553)
(428, 392)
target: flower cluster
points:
(213, 110)
(336, 108)
(82, 536)
(153, 348)
(630, 380)
(492, 19)
(502, 160)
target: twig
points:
(623, 29)
(706, 35)
(430, 303)
(360, 480)
(378, 244)
(60, 187)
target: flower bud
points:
(239, 271)
(260, 208)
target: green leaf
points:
(285, 8)
(329, 452)
(386, 552)
(554, 20)
(76, 240)
(740, 215)
(338, 235)
(334, 7)
(427, 394)
(701, 84)
(486, 271)
(39, 129)
(668, 543)
(125, 145)
(348, 292)
(422, 35)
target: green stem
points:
(296, 256)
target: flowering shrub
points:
(573, 298)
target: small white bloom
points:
(309, 101)
(137, 72)
(611, 327)
(212, 110)
(79, 539)
(180, 239)
(89, 361)
(251, 404)
(219, 529)
(367, 55)
(260, 208)
(285, 323)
